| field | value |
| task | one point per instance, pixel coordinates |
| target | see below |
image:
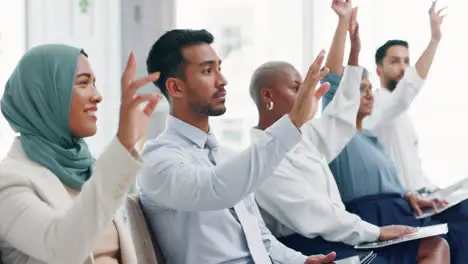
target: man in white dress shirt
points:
(301, 202)
(196, 194)
(394, 127)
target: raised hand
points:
(308, 97)
(395, 231)
(354, 30)
(342, 8)
(436, 21)
(133, 121)
(321, 259)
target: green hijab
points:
(36, 102)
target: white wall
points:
(143, 22)
(269, 30)
(12, 46)
(98, 32)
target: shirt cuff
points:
(371, 232)
(286, 132)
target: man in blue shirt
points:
(197, 194)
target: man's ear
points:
(379, 70)
(175, 88)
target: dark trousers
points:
(392, 209)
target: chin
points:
(217, 111)
(85, 132)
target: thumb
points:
(318, 259)
(328, 258)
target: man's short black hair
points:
(382, 51)
(166, 54)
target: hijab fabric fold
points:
(36, 103)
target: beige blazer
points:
(41, 223)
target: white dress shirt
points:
(187, 197)
(392, 125)
(302, 196)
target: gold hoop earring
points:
(270, 106)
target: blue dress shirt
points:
(187, 197)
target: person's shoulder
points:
(165, 147)
(19, 172)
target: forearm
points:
(354, 55)
(172, 182)
(43, 232)
(423, 65)
(336, 55)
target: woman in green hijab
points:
(57, 203)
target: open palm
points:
(307, 98)
(436, 19)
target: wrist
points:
(296, 121)
(344, 20)
(125, 145)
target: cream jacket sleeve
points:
(63, 236)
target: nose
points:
(221, 81)
(403, 66)
(96, 98)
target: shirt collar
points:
(194, 134)
(255, 134)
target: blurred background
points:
(248, 33)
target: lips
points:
(220, 95)
(91, 112)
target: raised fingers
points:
(141, 98)
(149, 108)
(130, 92)
(129, 72)
(314, 69)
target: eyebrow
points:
(85, 74)
(210, 62)
(396, 57)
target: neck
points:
(265, 121)
(359, 123)
(192, 118)
(383, 84)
